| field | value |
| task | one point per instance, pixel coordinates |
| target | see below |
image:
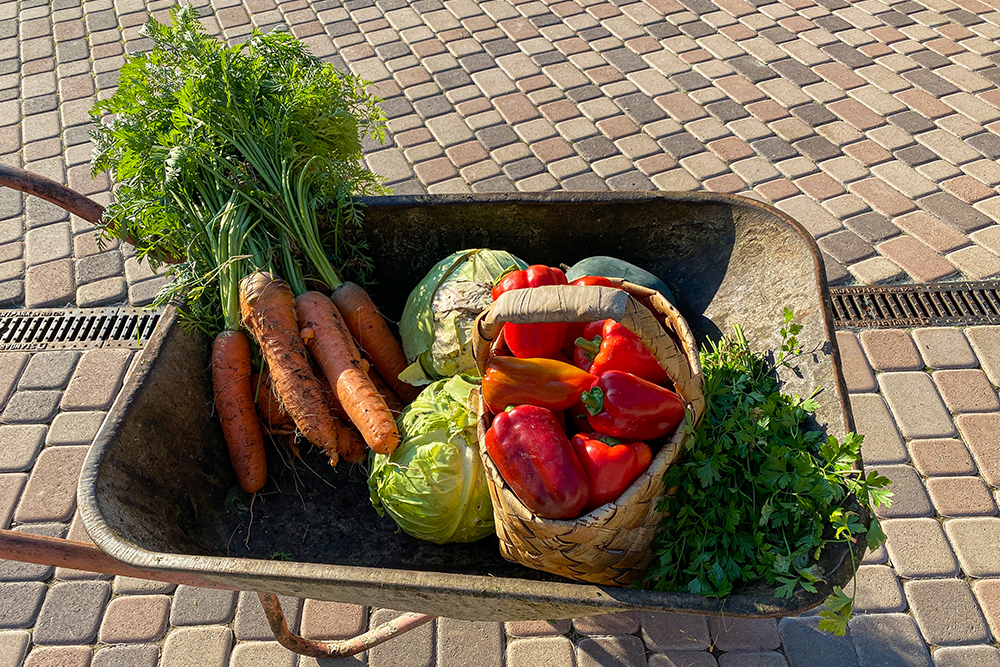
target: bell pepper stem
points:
(589, 347)
(593, 400)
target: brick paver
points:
(974, 541)
(946, 612)
(71, 613)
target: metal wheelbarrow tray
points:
(157, 490)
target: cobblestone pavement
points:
(874, 124)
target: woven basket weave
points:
(610, 545)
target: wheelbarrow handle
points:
(65, 198)
(51, 191)
(44, 550)
(338, 649)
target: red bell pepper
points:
(611, 465)
(533, 455)
(611, 346)
(624, 406)
(528, 341)
(575, 329)
(547, 383)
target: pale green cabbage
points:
(437, 320)
(434, 485)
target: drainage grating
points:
(76, 329)
(943, 304)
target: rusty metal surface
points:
(338, 649)
(895, 306)
(157, 490)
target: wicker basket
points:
(610, 545)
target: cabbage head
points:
(434, 485)
(436, 326)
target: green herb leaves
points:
(759, 495)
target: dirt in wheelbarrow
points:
(311, 512)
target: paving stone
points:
(955, 212)
(331, 620)
(878, 590)
(415, 648)
(936, 458)
(27, 407)
(675, 632)
(685, 659)
(986, 342)
(97, 379)
(981, 433)
(923, 264)
(932, 232)
(761, 659)
(74, 428)
(805, 644)
(988, 595)
(20, 602)
(205, 606)
(918, 548)
(882, 443)
(263, 654)
(462, 643)
(888, 639)
(974, 541)
(536, 628)
(871, 226)
(134, 619)
(50, 494)
(918, 408)
(946, 612)
(891, 350)
(59, 656)
(857, 373)
(140, 655)
(622, 623)
(741, 634)
(909, 496)
(961, 496)
(71, 612)
(49, 370)
(944, 347)
(11, 366)
(13, 646)
(607, 651)
(967, 656)
(208, 646)
(132, 586)
(966, 390)
(21, 444)
(49, 285)
(535, 651)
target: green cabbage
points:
(434, 485)
(436, 326)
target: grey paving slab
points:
(527, 652)
(202, 606)
(946, 612)
(129, 655)
(616, 650)
(13, 647)
(250, 622)
(918, 548)
(974, 541)
(71, 613)
(20, 602)
(675, 632)
(49, 370)
(97, 379)
(19, 445)
(262, 654)
(807, 646)
(467, 642)
(11, 570)
(888, 640)
(967, 656)
(416, 648)
(916, 405)
(882, 444)
(50, 494)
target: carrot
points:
(371, 332)
(268, 311)
(352, 446)
(235, 405)
(331, 396)
(334, 350)
(268, 406)
(388, 395)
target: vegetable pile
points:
(759, 496)
(227, 159)
(609, 401)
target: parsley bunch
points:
(759, 495)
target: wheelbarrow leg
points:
(338, 649)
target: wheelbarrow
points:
(159, 499)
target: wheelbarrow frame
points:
(84, 556)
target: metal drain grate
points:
(76, 329)
(945, 304)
